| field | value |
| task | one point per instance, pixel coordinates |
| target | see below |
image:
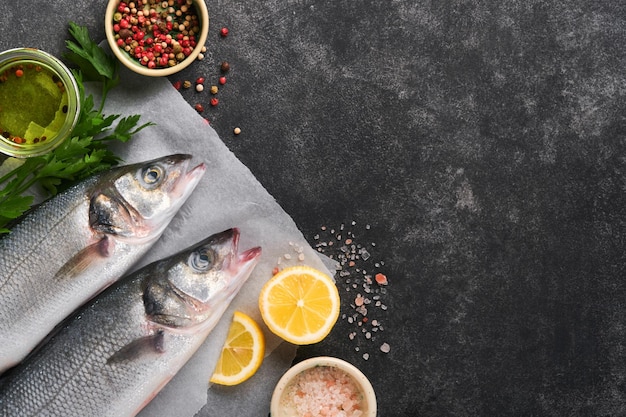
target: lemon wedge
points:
(242, 353)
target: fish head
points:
(139, 200)
(200, 282)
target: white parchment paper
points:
(227, 196)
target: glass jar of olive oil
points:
(39, 102)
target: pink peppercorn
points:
(177, 85)
(214, 102)
(200, 80)
(224, 32)
(222, 80)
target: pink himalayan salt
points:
(323, 391)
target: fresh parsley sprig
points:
(86, 152)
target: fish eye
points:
(152, 174)
(201, 260)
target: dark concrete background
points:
(482, 141)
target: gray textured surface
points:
(483, 141)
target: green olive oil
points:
(33, 103)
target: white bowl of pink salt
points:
(323, 387)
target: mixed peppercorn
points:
(158, 34)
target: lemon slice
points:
(242, 353)
(300, 304)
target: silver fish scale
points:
(52, 262)
(80, 371)
(28, 291)
(75, 360)
(112, 356)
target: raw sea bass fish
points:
(114, 355)
(81, 241)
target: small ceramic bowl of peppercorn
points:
(156, 37)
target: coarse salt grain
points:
(323, 391)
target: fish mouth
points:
(250, 255)
(189, 177)
(241, 264)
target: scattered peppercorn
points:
(19, 73)
(200, 80)
(224, 32)
(186, 84)
(214, 89)
(237, 131)
(222, 80)
(199, 108)
(214, 102)
(199, 88)
(177, 85)
(225, 66)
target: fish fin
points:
(103, 248)
(148, 345)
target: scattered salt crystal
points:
(287, 256)
(366, 356)
(385, 348)
(301, 257)
(381, 279)
(359, 300)
(354, 262)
